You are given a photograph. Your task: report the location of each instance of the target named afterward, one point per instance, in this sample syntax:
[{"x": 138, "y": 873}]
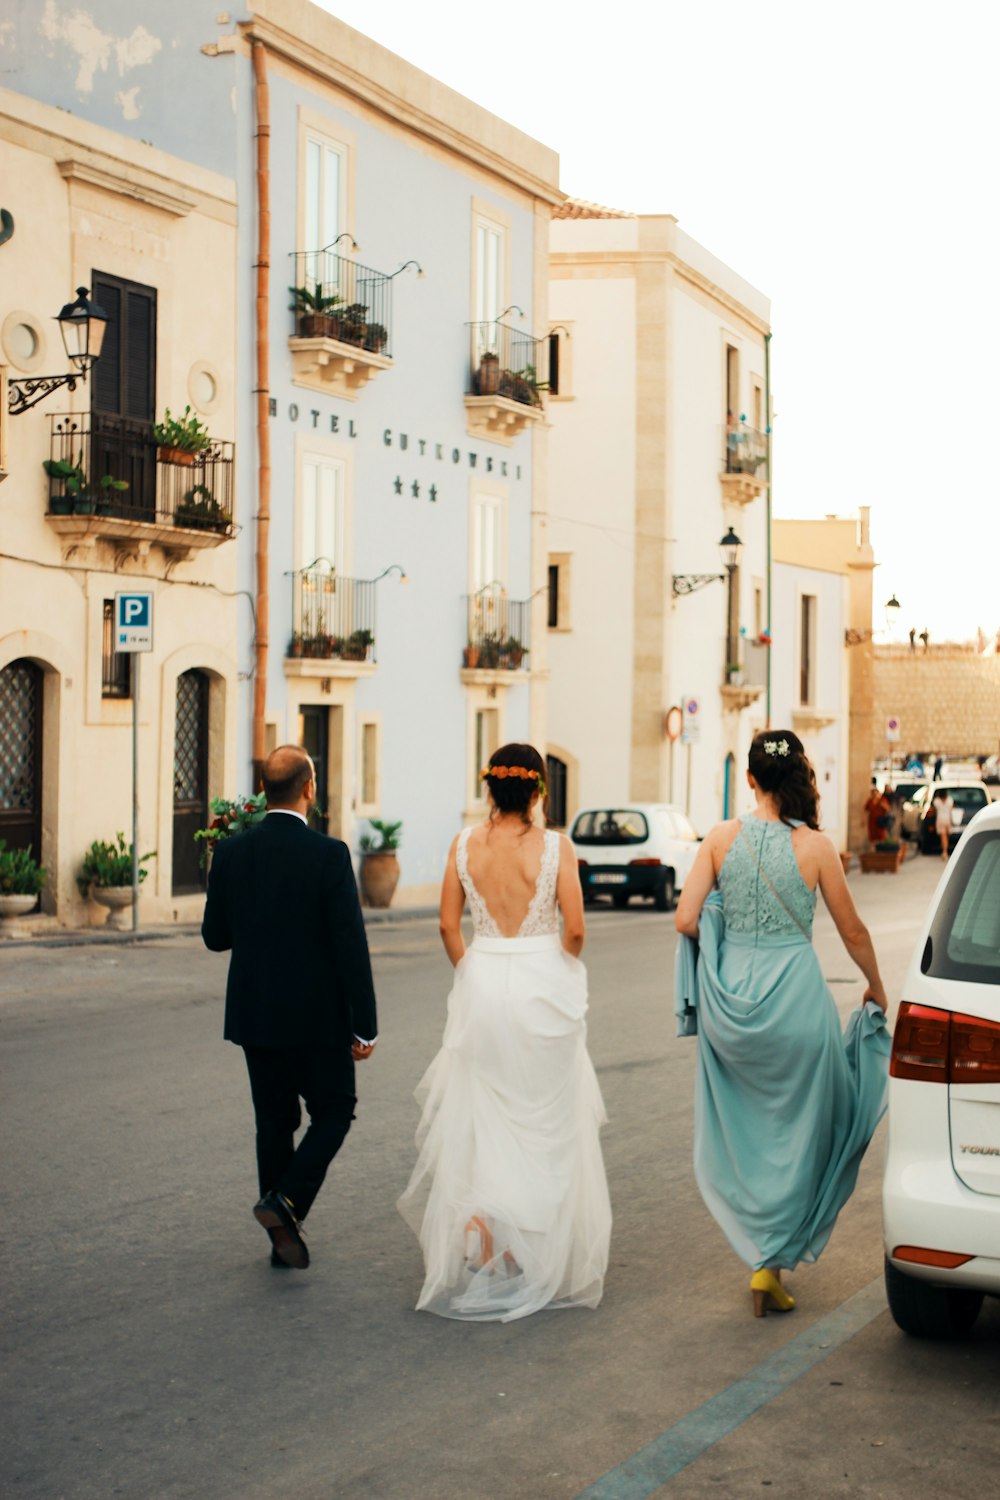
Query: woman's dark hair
[
  {"x": 513, "y": 793},
  {"x": 780, "y": 766}
]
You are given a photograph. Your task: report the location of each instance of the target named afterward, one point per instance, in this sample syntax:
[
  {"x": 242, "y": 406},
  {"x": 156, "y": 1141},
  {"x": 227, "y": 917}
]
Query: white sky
[{"x": 843, "y": 159}]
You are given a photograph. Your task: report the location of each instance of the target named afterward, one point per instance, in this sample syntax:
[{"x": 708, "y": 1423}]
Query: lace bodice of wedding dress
[{"x": 541, "y": 916}]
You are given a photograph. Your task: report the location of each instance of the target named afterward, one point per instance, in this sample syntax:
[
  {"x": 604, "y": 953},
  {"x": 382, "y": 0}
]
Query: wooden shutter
[{"x": 125, "y": 374}]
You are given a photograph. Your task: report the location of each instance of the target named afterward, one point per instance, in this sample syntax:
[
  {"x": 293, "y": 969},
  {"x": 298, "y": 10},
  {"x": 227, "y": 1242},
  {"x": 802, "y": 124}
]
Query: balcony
[
  {"x": 333, "y": 625},
  {"x": 343, "y": 323},
  {"x": 108, "y": 482},
  {"x": 744, "y": 463},
  {"x": 507, "y": 376},
  {"x": 745, "y": 675},
  {"x": 498, "y": 632}
]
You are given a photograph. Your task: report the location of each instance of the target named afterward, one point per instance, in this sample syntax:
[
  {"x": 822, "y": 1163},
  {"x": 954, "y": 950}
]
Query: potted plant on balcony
[
  {"x": 314, "y": 315},
  {"x": 379, "y": 863},
  {"x": 489, "y": 652},
  {"x": 470, "y": 655},
  {"x": 488, "y": 374},
  {"x": 734, "y": 674},
  {"x": 21, "y": 879},
  {"x": 200, "y": 510},
  {"x": 106, "y": 875},
  {"x": 353, "y": 323},
  {"x": 180, "y": 439},
  {"x": 295, "y": 645},
  {"x": 513, "y": 653},
  {"x": 80, "y": 496},
  {"x": 355, "y": 647},
  {"x": 376, "y": 337}
]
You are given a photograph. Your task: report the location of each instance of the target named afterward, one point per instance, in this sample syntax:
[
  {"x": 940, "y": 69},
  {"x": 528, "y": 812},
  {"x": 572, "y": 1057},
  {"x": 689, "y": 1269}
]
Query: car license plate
[{"x": 605, "y": 877}]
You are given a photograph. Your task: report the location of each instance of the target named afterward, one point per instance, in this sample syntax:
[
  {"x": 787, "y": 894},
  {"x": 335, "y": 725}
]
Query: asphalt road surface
[{"x": 152, "y": 1353}]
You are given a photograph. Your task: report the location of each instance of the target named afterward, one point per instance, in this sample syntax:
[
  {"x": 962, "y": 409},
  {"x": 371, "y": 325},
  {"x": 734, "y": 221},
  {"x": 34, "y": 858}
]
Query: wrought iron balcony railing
[
  {"x": 508, "y": 362},
  {"x": 744, "y": 450},
  {"x": 108, "y": 466},
  {"x": 498, "y": 632},
  {"x": 748, "y": 666},
  {"x": 333, "y": 618},
  {"x": 335, "y": 298}
]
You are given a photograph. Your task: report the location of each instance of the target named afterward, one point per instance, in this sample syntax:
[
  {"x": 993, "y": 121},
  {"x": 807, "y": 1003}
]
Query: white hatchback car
[
  {"x": 638, "y": 849},
  {"x": 941, "y": 1192}
]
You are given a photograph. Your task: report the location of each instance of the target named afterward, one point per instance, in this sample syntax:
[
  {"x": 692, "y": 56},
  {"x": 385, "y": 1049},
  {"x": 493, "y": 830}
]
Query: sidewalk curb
[{"x": 80, "y": 937}]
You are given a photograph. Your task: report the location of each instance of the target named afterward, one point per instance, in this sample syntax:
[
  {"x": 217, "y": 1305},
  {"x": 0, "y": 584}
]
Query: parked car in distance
[
  {"x": 941, "y": 1188},
  {"x": 904, "y": 790},
  {"x": 968, "y": 797},
  {"x": 638, "y": 849}
]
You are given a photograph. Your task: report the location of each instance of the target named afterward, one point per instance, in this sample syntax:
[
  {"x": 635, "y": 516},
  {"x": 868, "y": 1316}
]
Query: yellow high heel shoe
[{"x": 767, "y": 1292}]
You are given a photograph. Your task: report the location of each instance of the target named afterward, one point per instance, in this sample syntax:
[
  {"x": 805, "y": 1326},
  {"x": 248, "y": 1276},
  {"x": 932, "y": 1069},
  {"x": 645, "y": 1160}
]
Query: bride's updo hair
[
  {"x": 514, "y": 775},
  {"x": 780, "y": 766}
]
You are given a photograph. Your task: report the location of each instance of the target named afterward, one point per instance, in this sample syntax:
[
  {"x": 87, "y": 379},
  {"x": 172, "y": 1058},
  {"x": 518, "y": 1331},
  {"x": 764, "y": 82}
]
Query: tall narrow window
[
  {"x": 555, "y": 780},
  {"x": 553, "y": 595},
  {"x": 807, "y": 649},
  {"x": 559, "y": 590},
  {"x": 553, "y": 364},
  {"x": 321, "y": 513},
  {"x": 758, "y": 408},
  {"x": 123, "y": 394},
  {"x": 732, "y": 383},
  {"x": 488, "y": 282},
  {"x": 369, "y": 779},
  {"x": 487, "y": 728},
  {"x": 324, "y": 208},
  {"x": 116, "y": 666},
  {"x": 488, "y": 560}
]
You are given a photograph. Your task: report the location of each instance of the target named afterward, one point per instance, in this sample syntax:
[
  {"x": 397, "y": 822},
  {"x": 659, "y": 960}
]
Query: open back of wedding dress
[{"x": 508, "y": 1197}]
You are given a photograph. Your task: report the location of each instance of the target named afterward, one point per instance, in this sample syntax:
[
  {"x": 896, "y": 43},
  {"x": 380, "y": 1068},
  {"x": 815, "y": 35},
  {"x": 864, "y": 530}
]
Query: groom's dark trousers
[{"x": 285, "y": 901}]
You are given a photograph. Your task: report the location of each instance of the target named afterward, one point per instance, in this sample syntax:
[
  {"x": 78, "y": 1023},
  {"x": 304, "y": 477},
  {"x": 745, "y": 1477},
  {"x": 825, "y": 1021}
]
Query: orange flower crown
[{"x": 502, "y": 772}]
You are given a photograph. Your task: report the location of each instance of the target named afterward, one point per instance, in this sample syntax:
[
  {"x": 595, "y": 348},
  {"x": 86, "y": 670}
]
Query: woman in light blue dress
[{"x": 786, "y": 1102}]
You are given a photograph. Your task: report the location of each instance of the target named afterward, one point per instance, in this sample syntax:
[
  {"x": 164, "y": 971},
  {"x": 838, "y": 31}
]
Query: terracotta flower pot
[
  {"x": 881, "y": 861},
  {"x": 176, "y": 456},
  {"x": 379, "y": 878},
  {"x": 488, "y": 380}
]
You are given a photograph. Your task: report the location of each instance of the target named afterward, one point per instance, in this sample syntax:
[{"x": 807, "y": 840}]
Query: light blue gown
[{"x": 785, "y": 1103}]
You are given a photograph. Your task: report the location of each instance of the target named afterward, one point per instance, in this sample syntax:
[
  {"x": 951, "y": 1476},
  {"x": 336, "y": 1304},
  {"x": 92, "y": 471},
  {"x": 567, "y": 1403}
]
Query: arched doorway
[
  {"x": 21, "y": 697},
  {"x": 555, "y": 778},
  {"x": 729, "y": 787},
  {"x": 190, "y": 780}
]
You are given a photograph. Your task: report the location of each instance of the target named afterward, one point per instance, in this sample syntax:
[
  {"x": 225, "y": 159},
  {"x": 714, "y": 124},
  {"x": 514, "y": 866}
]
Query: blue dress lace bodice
[{"x": 749, "y": 904}]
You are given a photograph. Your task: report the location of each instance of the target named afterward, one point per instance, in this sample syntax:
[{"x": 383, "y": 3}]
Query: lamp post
[
  {"x": 730, "y": 548},
  {"x": 82, "y": 324}
]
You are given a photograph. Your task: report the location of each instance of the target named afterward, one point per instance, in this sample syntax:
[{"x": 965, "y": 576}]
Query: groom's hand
[{"x": 360, "y": 1050}]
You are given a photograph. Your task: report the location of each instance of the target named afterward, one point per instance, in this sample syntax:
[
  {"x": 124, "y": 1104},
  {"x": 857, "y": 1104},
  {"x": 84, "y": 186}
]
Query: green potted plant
[
  {"x": 513, "y": 653},
  {"x": 80, "y": 495},
  {"x": 21, "y": 879},
  {"x": 379, "y": 862},
  {"x": 734, "y": 674},
  {"x": 314, "y": 315},
  {"x": 376, "y": 337},
  {"x": 355, "y": 647},
  {"x": 489, "y": 652},
  {"x": 296, "y": 644},
  {"x": 488, "y": 374},
  {"x": 180, "y": 439},
  {"x": 353, "y": 323},
  {"x": 529, "y": 387},
  {"x": 200, "y": 509},
  {"x": 106, "y": 875},
  {"x": 470, "y": 656}
]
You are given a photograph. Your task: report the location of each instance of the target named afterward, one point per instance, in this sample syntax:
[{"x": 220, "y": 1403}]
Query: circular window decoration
[
  {"x": 23, "y": 340},
  {"x": 203, "y": 386}
]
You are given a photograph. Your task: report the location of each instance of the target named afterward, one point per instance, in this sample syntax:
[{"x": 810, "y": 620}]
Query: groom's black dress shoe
[
  {"x": 277, "y": 1262},
  {"x": 275, "y": 1214}
]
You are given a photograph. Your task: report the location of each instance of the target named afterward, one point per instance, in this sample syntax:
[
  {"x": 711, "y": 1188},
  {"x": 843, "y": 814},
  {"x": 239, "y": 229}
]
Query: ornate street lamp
[
  {"x": 729, "y": 548},
  {"x": 82, "y": 324}
]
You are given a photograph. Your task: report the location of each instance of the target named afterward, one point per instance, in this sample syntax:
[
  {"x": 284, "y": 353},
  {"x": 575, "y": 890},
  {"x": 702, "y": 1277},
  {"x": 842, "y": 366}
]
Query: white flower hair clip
[{"x": 775, "y": 747}]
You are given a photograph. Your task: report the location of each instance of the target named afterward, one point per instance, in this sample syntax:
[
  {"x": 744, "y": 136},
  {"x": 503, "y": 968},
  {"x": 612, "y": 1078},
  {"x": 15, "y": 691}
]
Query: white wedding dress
[{"x": 508, "y": 1197}]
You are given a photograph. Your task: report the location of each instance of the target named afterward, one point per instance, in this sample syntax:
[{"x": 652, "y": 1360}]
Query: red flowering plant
[{"x": 230, "y": 818}]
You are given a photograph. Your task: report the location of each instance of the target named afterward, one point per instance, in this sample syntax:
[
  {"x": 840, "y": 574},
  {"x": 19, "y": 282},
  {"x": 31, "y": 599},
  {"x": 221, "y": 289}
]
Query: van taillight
[
  {"x": 920, "y": 1044},
  {"x": 936, "y": 1046},
  {"x": 975, "y": 1050}
]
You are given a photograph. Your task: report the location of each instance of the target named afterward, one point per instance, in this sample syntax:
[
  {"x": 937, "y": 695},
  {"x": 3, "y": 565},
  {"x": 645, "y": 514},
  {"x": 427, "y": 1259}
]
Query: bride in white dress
[{"x": 508, "y": 1197}]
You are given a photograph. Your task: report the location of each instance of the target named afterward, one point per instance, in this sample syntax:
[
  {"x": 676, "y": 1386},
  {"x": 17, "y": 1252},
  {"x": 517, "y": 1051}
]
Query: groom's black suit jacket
[{"x": 285, "y": 900}]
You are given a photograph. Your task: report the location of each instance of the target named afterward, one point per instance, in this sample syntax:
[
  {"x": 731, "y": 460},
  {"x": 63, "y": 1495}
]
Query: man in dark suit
[{"x": 299, "y": 999}]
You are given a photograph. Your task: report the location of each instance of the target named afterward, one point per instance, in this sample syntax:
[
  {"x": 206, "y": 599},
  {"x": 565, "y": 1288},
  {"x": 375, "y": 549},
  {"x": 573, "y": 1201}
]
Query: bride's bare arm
[
  {"x": 569, "y": 895},
  {"x": 452, "y": 905},
  {"x": 853, "y": 932}
]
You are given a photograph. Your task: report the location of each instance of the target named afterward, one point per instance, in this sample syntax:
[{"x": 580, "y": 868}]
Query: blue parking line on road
[{"x": 659, "y": 1461}]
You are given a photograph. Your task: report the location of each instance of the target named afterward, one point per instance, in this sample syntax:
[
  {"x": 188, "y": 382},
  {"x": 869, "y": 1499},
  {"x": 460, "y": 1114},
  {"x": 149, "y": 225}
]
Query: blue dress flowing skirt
[{"x": 785, "y": 1102}]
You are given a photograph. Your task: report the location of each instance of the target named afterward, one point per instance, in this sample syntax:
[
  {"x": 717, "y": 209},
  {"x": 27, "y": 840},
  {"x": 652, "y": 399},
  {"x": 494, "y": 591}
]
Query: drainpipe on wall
[
  {"x": 262, "y": 392},
  {"x": 767, "y": 418}
]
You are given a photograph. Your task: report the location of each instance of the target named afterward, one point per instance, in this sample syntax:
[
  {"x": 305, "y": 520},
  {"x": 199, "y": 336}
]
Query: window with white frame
[
  {"x": 369, "y": 765},
  {"x": 489, "y": 279},
  {"x": 486, "y": 741},
  {"x": 321, "y": 513},
  {"x": 807, "y": 649},
  {"x": 489, "y": 560},
  {"x": 325, "y": 184}
]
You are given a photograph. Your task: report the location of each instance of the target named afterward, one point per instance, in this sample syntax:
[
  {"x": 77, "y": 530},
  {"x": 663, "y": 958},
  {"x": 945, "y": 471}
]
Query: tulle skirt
[{"x": 508, "y": 1197}]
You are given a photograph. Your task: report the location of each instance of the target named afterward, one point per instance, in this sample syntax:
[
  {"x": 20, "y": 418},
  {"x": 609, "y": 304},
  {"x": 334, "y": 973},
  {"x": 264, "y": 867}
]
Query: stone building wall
[{"x": 947, "y": 699}]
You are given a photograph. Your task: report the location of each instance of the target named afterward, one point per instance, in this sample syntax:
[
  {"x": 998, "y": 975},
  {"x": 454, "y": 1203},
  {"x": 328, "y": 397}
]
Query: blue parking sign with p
[{"x": 134, "y": 621}]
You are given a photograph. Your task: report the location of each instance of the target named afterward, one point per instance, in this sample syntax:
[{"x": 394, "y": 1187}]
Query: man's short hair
[{"x": 284, "y": 775}]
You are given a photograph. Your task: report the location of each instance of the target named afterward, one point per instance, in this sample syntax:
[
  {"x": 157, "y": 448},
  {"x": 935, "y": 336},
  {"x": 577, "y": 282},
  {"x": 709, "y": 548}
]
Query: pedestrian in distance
[
  {"x": 877, "y": 810},
  {"x": 299, "y": 997},
  {"x": 508, "y": 1197},
  {"x": 786, "y": 1102},
  {"x": 942, "y": 810}
]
